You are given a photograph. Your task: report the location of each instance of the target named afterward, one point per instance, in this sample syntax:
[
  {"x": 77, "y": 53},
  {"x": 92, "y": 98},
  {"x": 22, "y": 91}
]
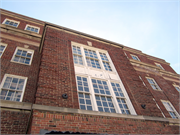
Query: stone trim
[
  {"x": 20, "y": 40},
  {"x": 155, "y": 68},
  {"x": 21, "y": 17},
  {"x": 15, "y": 105},
  {"x": 3, "y": 26},
  {"x": 27, "y": 106},
  {"x": 146, "y": 55}
]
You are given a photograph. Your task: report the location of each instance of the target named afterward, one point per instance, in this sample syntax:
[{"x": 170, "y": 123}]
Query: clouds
[{"x": 150, "y": 26}]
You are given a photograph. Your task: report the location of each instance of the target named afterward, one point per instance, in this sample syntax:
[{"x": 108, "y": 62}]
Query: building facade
[{"x": 58, "y": 79}]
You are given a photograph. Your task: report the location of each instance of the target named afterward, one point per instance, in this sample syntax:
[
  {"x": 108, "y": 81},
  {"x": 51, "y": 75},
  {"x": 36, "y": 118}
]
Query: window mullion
[{"x": 91, "y": 89}]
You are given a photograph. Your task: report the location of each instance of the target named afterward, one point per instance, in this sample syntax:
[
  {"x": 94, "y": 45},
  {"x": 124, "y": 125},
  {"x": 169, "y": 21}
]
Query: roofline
[{"x": 83, "y": 34}]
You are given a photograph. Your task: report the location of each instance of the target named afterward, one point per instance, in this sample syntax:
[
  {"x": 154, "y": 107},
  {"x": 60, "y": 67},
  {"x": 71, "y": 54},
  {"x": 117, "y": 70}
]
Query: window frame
[
  {"x": 177, "y": 86},
  {"x": 4, "y": 48},
  {"x": 159, "y": 65},
  {"x": 84, "y": 92},
  {"x": 98, "y": 51},
  {"x": 159, "y": 89},
  {"x": 132, "y": 55},
  {"x": 23, "y": 49},
  {"x": 87, "y": 73},
  {"x": 33, "y": 27},
  {"x": 14, "y": 76},
  {"x": 174, "y": 110},
  {"x": 18, "y": 22}
]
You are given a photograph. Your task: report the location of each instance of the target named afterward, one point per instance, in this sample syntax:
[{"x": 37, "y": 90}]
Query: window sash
[
  {"x": 105, "y": 104},
  {"x": 123, "y": 106},
  {"x": 2, "y": 49},
  {"x": 170, "y": 109},
  {"x": 177, "y": 88},
  {"x": 85, "y": 101},
  {"x": 23, "y": 56},
  {"x": 12, "y": 23},
  {"x": 12, "y": 87},
  {"x": 153, "y": 84}
]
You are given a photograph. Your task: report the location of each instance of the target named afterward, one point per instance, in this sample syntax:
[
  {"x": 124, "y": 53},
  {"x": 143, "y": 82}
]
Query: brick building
[{"x": 58, "y": 79}]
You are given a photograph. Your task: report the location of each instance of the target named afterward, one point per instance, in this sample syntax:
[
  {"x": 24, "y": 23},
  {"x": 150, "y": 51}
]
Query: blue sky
[{"x": 151, "y": 26}]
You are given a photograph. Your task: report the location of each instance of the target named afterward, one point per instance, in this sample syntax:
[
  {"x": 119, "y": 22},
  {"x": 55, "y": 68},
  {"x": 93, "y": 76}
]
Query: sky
[{"x": 151, "y": 26}]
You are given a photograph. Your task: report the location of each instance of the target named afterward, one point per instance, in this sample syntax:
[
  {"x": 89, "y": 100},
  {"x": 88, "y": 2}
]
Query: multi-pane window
[
  {"x": 84, "y": 98},
  {"x": 92, "y": 59},
  {"x": 105, "y": 104},
  {"x": 32, "y": 28},
  {"x": 12, "y": 88},
  {"x": 153, "y": 84},
  {"x": 123, "y": 106},
  {"x": 159, "y": 65},
  {"x": 135, "y": 57},
  {"x": 85, "y": 101},
  {"x": 2, "y": 48},
  {"x": 120, "y": 98},
  {"x": 11, "y": 22},
  {"x": 105, "y": 62},
  {"x": 82, "y": 84},
  {"x": 177, "y": 88},
  {"x": 77, "y": 55},
  {"x": 170, "y": 109},
  {"x": 95, "y": 90},
  {"x": 117, "y": 90},
  {"x": 100, "y": 87},
  {"x": 22, "y": 56}
]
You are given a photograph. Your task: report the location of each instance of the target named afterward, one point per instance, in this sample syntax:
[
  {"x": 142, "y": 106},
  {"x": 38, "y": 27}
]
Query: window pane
[
  {"x": 89, "y": 107},
  {"x": 3, "y": 94},
  {"x": 20, "y": 84},
  {"x": 7, "y": 82},
  {"x": 14, "y": 83},
  {"x": 10, "y": 95},
  {"x": 83, "y": 107}
]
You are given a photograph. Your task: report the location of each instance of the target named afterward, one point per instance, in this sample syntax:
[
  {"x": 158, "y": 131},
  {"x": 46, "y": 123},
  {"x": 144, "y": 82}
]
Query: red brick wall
[
  {"x": 97, "y": 124},
  {"x": 14, "y": 122},
  {"x": 148, "y": 61},
  {"x": 30, "y": 71},
  {"x": 168, "y": 91},
  {"x": 22, "y": 23},
  {"x": 57, "y": 75}
]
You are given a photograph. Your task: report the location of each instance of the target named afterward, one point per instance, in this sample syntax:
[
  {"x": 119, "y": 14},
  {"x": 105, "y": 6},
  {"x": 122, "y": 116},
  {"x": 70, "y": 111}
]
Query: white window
[
  {"x": 2, "y": 48},
  {"x": 105, "y": 61},
  {"x": 77, "y": 55},
  {"x": 159, "y": 65},
  {"x": 12, "y": 87},
  {"x": 83, "y": 93},
  {"x": 23, "y": 56},
  {"x": 177, "y": 88},
  {"x": 98, "y": 84},
  {"x": 135, "y": 57},
  {"x": 92, "y": 58},
  {"x": 173, "y": 113},
  {"x": 32, "y": 28},
  {"x": 153, "y": 84},
  {"x": 11, "y": 22}
]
